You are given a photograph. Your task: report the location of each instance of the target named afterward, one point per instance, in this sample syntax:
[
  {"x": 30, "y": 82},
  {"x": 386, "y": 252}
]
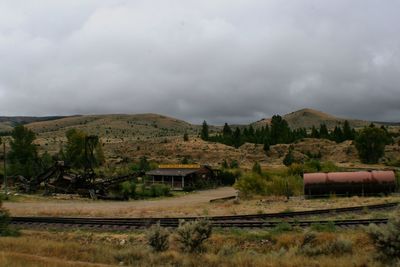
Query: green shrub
[
  {"x": 386, "y": 239},
  {"x": 312, "y": 165},
  {"x": 282, "y": 227},
  {"x": 128, "y": 189},
  {"x": 226, "y": 177},
  {"x": 295, "y": 169},
  {"x": 158, "y": 238},
  {"x": 191, "y": 235},
  {"x": 329, "y": 166},
  {"x": 256, "y": 168},
  {"x": 234, "y": 164},
  {"x": 311, "y": 247},
  {"x": 285, "y": 185},
  {"x": 255, "y": 184},
  {"x": 288, "y": 159},
  {"x": 251, "y": 183},
  {"x": 188, "y": 188},
  {"x": 159, "y": 190},
  {"x": 326, "y": 227}
]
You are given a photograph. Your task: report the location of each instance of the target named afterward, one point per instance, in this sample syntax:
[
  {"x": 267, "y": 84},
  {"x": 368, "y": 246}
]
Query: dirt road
[{"x": 195, "y": 203}]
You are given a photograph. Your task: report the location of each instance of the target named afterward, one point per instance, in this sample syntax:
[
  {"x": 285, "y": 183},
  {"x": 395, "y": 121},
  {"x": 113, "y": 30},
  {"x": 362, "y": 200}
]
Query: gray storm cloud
[{"x": 234, "y": 61}]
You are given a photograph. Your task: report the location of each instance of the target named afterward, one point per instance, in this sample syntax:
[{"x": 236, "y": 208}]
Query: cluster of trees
[
  {"x": 278, "y": 132},
  {"x": 370, "y": 141},
  {"x": 338, "y": 135},
  {"x": 80, "y": 151}
]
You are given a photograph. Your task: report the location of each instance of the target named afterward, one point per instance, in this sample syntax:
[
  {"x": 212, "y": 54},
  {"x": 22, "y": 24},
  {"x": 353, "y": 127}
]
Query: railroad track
[
  {"x": 241, "y": 221},
  {"x": 134, "y": 224}
]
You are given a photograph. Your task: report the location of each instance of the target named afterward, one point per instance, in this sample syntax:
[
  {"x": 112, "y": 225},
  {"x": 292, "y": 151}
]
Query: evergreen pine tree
[
  {"x": 323, "y": 131},
  {"x": 204, "y": 131}
]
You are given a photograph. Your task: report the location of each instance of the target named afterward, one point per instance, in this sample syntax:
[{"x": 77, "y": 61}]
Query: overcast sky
[{"x": 218, "y": 60}]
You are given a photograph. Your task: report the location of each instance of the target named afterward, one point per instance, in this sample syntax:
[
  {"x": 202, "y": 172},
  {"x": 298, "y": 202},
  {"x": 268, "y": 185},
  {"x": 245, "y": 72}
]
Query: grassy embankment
[{"x": 278, "y": 247}]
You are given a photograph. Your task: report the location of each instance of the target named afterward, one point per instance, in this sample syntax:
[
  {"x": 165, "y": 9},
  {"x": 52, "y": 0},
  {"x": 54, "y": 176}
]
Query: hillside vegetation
[
  {"x": 307, "y": 118},
  {"x": 126, "y": 138}
]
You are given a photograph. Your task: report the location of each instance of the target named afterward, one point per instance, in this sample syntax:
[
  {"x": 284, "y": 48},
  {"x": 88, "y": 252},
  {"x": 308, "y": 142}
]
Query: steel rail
[
  {"x": 175, "y": 220},
  {"x": 97, "y": 223}
]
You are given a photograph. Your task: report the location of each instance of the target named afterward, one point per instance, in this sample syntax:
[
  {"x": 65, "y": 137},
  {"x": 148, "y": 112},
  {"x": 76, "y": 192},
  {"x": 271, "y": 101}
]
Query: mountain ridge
[{"x": 303, "y": 118}]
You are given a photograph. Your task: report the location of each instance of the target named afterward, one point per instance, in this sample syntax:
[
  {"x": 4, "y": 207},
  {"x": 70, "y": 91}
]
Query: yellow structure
[{"x": 179, "y": 166}]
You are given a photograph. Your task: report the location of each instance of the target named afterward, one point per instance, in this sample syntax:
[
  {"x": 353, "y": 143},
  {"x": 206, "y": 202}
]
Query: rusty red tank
[{"x": 349, "y": 183}]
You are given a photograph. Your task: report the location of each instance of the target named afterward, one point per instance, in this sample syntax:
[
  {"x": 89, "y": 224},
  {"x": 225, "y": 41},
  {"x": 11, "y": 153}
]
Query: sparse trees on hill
[{"x": 278, "y": 132}]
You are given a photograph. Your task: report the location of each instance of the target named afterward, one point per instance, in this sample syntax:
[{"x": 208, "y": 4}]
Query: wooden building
[{"x": 178, "y": 176}]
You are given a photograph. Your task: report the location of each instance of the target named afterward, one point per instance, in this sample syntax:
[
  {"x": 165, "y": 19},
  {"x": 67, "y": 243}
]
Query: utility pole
[{"x": 5, "y": 168}]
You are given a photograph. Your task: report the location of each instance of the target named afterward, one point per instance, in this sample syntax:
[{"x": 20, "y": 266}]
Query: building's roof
[
  {"x": 349, "y": 177},
  {"x": 172, "y": 172}
]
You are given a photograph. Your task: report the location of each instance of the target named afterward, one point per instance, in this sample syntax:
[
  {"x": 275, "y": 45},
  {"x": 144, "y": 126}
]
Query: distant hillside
[
  {"x": 7, "y": 123},
  {"x": 126, "y": 138},
  {"x": 309, "y": 117},
  {"x": 116, "y": 126}
]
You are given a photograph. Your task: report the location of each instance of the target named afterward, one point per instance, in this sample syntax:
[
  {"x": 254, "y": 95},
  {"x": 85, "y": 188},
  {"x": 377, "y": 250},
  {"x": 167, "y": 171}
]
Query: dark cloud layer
[{"x": 225, "y": 60}]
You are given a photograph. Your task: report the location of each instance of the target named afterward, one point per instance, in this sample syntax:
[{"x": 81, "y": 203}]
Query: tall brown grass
[{"x": 224, "y": 248}]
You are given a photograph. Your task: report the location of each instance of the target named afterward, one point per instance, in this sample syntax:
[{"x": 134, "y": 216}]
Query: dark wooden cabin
[{"x": 179, "y": 176}]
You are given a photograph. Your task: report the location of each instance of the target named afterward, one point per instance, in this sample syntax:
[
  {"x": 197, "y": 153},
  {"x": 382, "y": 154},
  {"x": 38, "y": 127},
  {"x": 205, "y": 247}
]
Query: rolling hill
[
  {"x": 306, "y": 118},
  {"x": 7, "y": 123},
  {"x": 126, "y": 138}
]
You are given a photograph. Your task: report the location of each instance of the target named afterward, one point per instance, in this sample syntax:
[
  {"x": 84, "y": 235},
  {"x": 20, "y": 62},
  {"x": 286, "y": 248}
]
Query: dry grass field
[
  {"x": 192, "y": 204},
  {"x": 225, "y": 248}
]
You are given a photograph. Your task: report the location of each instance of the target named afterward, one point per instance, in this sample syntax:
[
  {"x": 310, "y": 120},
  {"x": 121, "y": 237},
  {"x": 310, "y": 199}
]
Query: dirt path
[{"x": 190, "y": 204}]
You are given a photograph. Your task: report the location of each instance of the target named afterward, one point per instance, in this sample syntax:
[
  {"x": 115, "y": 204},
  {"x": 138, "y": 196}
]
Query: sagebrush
[
  {"x": 192, "y": 234},
  {"x": 386, "y": 239},
  {"x": 158, "y": 238}
]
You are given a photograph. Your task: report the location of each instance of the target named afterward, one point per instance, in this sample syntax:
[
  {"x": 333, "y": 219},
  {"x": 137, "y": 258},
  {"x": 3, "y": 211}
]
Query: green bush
[
  {"x": 285, "y": 185},
  {"x": 158, "y": 238},
  {"x": 327, "y": 227},
  {"x": 160, "y": 190},
  {"x": 226, "y": 178},
  {"x": 296, "y": 169},
  {"x": 282, "y": 227},
  {"x": 311, "y": 166},
  {"x": 288, "y": 159},
  {"x": 128, "y": 189},
  {"x": 234, "y": 164},
  {"x": 155, "y": 190},
  {"x": 311, "y": 247},
  {"x": 188, "y": 188},
  {"x": 257, "y": 168},
  {"x": 192, "y": 234},
  {"x": 255, "y": 184},
  {"x": 386, "y": 239},
  {"x": 251, "y": 183}
]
